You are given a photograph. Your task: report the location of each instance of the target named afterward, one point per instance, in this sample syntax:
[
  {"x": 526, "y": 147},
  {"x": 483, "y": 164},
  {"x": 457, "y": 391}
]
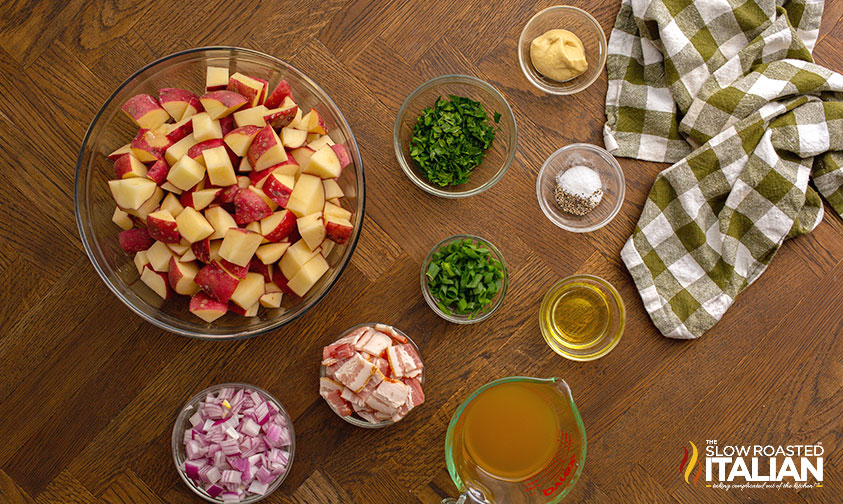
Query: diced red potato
[
  {"x": 281, "y": 91},
  {"x": 359, "y": 378},
  {"x": 135, "y": 240},
  {"x": 167, "y": 157}
]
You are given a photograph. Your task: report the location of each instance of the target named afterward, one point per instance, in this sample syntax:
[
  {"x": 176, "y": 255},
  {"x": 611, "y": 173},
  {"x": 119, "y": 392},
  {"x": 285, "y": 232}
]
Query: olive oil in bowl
[{"x": 582, "y": 317}]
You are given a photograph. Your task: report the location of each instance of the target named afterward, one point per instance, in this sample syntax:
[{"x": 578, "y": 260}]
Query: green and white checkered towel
[{"x": 728, "y": 91}]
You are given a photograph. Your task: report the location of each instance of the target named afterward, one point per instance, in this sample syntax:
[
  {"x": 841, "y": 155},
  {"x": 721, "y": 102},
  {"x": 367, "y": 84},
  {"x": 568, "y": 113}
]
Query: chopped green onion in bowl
[{"x": 464, "y": 277}]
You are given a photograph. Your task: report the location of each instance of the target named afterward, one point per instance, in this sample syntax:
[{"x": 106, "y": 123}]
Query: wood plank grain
[
  {"x": 129, "y": 489},
  {"x": 412, "y": 35},
  {"x": 638, "y": 486},
  {"x": 376, "y": 251},
  {"x": 11, "y": 493},
  {"x": 65, "y": 489},
  {"x": 28, "y": 27},
  {"x": 100, "y": 25},
  {"x": 351, "y": 30},
  {"x": 319, "y": 488}
]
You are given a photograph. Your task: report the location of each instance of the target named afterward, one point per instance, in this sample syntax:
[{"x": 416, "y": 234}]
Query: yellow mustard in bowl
[{"x": 558, "y": 55}]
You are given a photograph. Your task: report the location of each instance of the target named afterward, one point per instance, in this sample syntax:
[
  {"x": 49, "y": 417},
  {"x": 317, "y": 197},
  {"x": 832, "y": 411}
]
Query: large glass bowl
[
  {"x": 497, "y": 158},
  {"x": 111, "y": 129},
  {"x": 183, "y": 423}
]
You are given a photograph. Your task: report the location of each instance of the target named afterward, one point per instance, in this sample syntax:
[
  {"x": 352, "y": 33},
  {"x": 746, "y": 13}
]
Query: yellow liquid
[
  {"x": 510, "y": 431},
  {"x": 577, "y": 317}
]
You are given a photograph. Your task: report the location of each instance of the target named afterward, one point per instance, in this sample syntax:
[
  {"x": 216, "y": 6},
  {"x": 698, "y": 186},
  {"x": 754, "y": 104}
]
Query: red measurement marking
[
  {"x": 556, "y": 484},
  {"x": 549, "y": 479}
]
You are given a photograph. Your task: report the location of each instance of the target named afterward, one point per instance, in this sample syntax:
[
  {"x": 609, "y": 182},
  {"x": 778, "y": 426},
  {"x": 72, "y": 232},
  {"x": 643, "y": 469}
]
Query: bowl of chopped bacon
[{"x": 372, "y": 376}]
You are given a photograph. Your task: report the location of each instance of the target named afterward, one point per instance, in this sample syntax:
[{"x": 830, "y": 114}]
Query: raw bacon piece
[
  {"x": 353, "y": 336},
  {"x": 391, "y": 332},
  {"x": 394, "y": 393},
  {"x": 377, "y": 343},
  {"x": 370, "y": 387},
  {"x": 338, "y": 351},
  {"x": 394, "y": 362},
  {"x": 363, "y": 339},
  {"x": 416, "y": 392},
  {"x": 355, "y": 373},
  {"x": 353, "y": 398},
  {"x": 327, "y": 385},
  {"x": 383, "y": 366},
  {"x": 331, "y": 370},
  {"x": 367, "y": 415},
  {"x": 338, "y": 404},
  {"x": 378, "y": 405}
]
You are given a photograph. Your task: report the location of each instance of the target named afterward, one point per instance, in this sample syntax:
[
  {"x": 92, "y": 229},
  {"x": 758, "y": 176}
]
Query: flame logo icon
[{"x": 686, "y": 467}]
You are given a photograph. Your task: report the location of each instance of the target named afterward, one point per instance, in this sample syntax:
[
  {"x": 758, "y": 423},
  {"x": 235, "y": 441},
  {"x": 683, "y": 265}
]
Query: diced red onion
[
  {"x": 230, "y": 447},
  {"x": 192, "y": 467},
  {"x": 230, "y": 497},
  {"x": 262, "y": 413},
  {"x": 213, "y": 490},
  {"x": 264, "y": 476},
  {"x": 250, "y": 428},
  {"x": 258, "y": 487},
  {"x": 230, "y": 476},
  {"x": 194, "y": 450},
  {"x": 233, "y": 447}
]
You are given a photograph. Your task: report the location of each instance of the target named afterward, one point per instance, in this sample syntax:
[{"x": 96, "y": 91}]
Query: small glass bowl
[
  {"x": 498, "y": 157},
  {"x": 581, "y": 24},
  {"x": 183, "y": 423},
  {"x": 611, "y": 333},
  {"x": 453, "y": 317},
  {"x": 353, "y": 419},
  {"x": 611, "y": 178}
]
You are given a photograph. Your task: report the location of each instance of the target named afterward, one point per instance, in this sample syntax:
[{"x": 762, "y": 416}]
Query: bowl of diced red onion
[
  {"x": 233, "y": 442},
  {"x": 372, "y": 375}
]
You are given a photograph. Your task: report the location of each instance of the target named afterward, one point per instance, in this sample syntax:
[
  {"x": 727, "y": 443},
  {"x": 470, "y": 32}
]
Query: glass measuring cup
[{"x": 557, "y": 464}]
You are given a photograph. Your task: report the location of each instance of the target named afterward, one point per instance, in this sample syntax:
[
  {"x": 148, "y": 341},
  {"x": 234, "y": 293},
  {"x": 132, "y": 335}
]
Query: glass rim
[
  {"x": 176, "y": 443},
  {"x": 618, "y": 302},
  {"x": 404, "y": 162},
  {"x": 359, "y": 422},
  {"x": 234, "y": 334},
  {"x": 556, "y": 90},
  {"x": 616, "y": 170},
  {"x": 463, "y": 319}
]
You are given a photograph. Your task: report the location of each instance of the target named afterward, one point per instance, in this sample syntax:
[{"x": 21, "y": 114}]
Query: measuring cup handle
[{"x": 465, "y": 498}]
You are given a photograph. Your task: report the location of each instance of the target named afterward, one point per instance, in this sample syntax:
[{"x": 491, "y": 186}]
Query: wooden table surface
[{"x": 90, "y": 391}]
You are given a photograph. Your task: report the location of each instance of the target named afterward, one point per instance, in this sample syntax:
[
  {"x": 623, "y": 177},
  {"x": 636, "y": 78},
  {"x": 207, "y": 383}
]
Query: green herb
[
  {"x": 464, "y": 277},
  {"x": 450, "y": 139}
]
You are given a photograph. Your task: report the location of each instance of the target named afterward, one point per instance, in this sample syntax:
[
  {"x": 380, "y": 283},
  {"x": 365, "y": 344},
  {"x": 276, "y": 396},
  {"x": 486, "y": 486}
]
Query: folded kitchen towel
[{"x": 728, "y": 91}]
